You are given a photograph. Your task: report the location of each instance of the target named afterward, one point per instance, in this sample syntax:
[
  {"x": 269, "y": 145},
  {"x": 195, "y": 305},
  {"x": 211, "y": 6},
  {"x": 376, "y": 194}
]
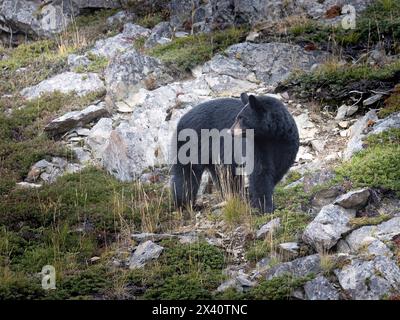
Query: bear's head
[{"x": 259, "y": 114}]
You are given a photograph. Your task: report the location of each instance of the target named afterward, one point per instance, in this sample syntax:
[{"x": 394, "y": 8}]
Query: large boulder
[
  {"x": 355, "y": 199},
  {"x": 274, "y": 62},
  {"x": 160, "y": 34},
  {"x": 75, "y": 119},
  {"x": 370, "y": 278},
  {"x": 320, "y": 289},
  {"x": 67, "y": 82},
  {"x": 300, "y": 267},
  {"x": 328, "y": 227},
  {"x": 35, "y": 18},
  {"x": 130, "y": 71},
  {"x": 110, "y": 47},
  {"x": 219, "y": 14},
  {"x": 359, "y": 238}
]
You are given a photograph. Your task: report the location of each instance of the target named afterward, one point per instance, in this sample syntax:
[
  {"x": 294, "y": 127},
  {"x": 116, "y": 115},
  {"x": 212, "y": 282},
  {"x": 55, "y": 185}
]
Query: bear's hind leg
[
  {"x": 185, "y": 184},
  {"x": 261, "y": 191}
]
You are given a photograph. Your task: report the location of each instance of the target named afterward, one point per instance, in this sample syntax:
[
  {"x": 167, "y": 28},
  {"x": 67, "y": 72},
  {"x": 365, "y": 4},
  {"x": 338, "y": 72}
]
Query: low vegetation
[
  {"x": 191, "y": 271},
  {"x": 279, "y": 288},
  {"x": 21, "y": 132},
  {"x": 182, "y": 54},
  {"x": 377, "y": 166},
  {"x": 392, "y": 103},
  {"x": 69, "y": 222}
]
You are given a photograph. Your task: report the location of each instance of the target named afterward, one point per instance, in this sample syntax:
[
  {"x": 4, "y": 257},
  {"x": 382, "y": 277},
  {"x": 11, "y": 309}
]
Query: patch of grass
[
  {"x": 292, "y": 199},
  {"x": 21, "y": 132},
  {"x": 151, "y": 20},
  {"x": 369, "y": 221},
  {"x": 333, "y": 82},
  {"x": 235, "y": 211},
  {"x": 86, "y": 29},
  {"x": 97, "y": 64},
  {"x": 76, "y": 218},
  {"x": 181, "y": 287},
  {"x": 392, "y": 104},
  {"x": 376, "y": 167},
  {"x": 279, "y": 288},
  {"x": 388, "y": 137},
  {"x": 185, "y": 53},
  {"x": 17, "y": 286},
  {"x": 25, "y": 53},
  {"x": 189, "y": 271},
  {"x": 143, "y": 9},
  {"x": 292, "y": 226}
]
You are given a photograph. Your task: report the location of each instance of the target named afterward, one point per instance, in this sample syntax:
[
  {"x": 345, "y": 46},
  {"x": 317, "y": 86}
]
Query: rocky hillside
[{"x": 90, "y": 93}]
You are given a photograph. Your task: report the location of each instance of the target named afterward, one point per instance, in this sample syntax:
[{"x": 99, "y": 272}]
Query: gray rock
[
  {"x": 328, "y": 226},
  {"x": 372, "y": 100},
  {"x": 48, "y": 172},
  {"x": 110, "y": 47},
  {"x": 75, "y": 61},
  {"x": 354, "y": 199},
  {"x": 289, "y": 249},
  {"x": 142, "y": 237},
  {"x": 318, "y": 145},
  {"x": 268, "y": 228},
  {"x": 300, "y": 267},
  {"x": 240, "y": 281},
  {"x": 274, "y": 62},
  {"x": 66, "y": 82},
  {"x": 120, "y": 17},
  {"x": 345, "y": 111},
  {"x": 221, "y": 65},
  {"x": 35, "y": 18},
  {"x": 292, "y": 247},
  {"x": 144, "y": 253},
  {"x": 370, "y": 279},
  {"x": 160, "y": 34},
  {"x": 383, "y": 232},
  {"x": 206, "y": 15},
  {"x": 82, "y": 155},
  {"x": 324, "y": 197},
  {"x": 74, "y": 119},
  {"x": 320, "y": 289},
  {"x": 390, "y": 122},
  {"x": 98, "y": 137},
  {"x": 226, "y": 86},
  {"x": 131, "y": 71},
  {"x": 306, "y": 127},
  {"x": 357, "y": 133}
]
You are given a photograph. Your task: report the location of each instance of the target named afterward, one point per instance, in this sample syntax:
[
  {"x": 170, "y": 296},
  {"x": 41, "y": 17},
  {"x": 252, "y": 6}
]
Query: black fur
[{"x": 275, "y": 148}]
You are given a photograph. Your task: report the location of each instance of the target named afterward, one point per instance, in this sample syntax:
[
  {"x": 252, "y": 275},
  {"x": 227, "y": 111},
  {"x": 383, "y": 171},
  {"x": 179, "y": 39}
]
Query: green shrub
[
  {"x": 377, "y": 167},
  {"x": 392, "y": 104},
  {"x": 188, "y": 52},
  {"x": 279, "y": 288}
]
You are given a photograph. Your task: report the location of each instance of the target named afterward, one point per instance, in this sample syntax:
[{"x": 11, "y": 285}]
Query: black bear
[{"x": 276, "y": 143}]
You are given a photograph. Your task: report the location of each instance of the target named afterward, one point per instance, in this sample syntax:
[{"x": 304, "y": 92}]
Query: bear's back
[{"x": 214, "y": 114}]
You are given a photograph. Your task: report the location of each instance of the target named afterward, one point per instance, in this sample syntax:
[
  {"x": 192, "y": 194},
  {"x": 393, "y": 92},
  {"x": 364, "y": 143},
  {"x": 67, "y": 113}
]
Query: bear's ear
[
  {"x": 245, "y": 98},
  {"x": 254, "y": 104}
]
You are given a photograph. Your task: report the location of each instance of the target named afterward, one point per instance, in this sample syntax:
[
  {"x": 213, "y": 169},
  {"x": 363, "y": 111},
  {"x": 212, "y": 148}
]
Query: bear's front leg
[{"x": 261, "y": 189}]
